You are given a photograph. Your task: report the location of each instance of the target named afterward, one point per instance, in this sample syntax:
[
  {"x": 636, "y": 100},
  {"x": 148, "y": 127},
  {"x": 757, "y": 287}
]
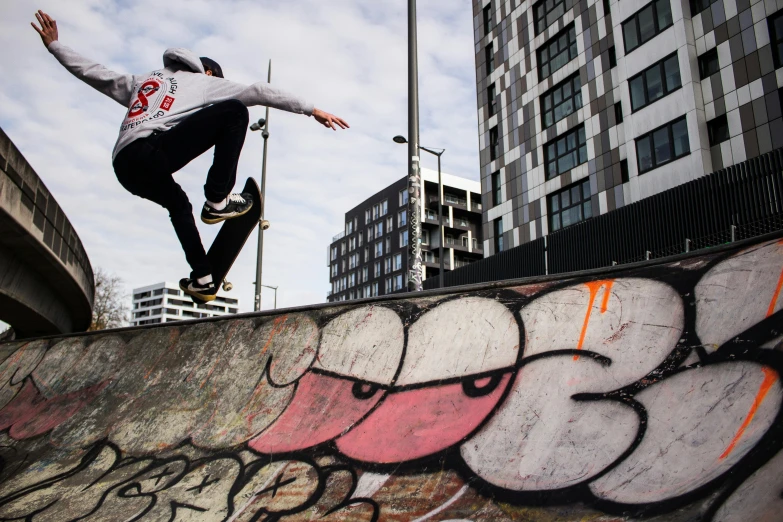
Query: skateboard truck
[
  {"x": 265, "y": 224},
  {"x": 227, "y": 287}
]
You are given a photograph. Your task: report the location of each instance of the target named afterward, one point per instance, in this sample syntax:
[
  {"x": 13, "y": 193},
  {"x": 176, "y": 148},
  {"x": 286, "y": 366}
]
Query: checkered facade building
[{"x": 705, "y": 77}]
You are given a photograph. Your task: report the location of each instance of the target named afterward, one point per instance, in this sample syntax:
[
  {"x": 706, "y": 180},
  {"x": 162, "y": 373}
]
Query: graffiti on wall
[{"x": 648, "y": 391}]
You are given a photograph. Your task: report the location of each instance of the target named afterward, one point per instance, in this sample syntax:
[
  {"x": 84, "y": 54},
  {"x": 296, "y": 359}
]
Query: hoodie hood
[{"x": 179, "y": 55}]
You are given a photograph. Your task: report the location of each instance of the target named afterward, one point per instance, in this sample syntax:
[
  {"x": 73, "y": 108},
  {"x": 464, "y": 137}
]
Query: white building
[{"x": 165, "y": 302}]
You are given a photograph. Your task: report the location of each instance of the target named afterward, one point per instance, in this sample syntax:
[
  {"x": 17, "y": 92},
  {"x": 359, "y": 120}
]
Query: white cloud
[{"x": 346, "y": 56}]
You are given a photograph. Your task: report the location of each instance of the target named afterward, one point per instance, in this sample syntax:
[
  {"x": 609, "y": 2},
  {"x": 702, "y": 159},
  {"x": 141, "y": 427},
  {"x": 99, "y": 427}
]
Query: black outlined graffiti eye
[
  {"x": 364, "y": 390},
  {"x": 480, "y": 386}
]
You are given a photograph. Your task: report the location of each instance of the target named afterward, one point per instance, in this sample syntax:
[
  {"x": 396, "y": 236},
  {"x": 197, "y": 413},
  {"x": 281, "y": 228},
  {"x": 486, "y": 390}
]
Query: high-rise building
[
  {"x": 165, "y": 302},
  {"x": 585, "y": 107},
  {"x": 370, "y": 256}
]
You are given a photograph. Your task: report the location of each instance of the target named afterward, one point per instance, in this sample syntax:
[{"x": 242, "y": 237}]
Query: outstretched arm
[{"x": 116, "y": 86}]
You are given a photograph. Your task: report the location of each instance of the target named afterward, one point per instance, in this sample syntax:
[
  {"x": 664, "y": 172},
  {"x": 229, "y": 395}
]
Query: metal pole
[
  {"x": 260, "y": 254},
  {"x": 440, "y": 223},
  {"x": 415, "y": 267}
]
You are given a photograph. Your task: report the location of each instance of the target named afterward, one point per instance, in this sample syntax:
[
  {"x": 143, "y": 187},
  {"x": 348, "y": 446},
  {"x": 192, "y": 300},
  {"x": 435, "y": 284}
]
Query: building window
[
  {"x": 397, "y": 282},
  {"x": 425, "y": 237},
  {"x": 352, "y": 280},
  {"x": 334, "y": 270},
  {"x": 560, "y": 101},
  {"x": 388, "y": 245},
  {"x": 569, "y": 206},
  {"x": 353, "y": 261},
  {"x": 489, "y": 55},
  {"x": 379, "y": 229},
  {"x": 646, "y": 24},
  {"x": 718, "y": 130},
  {"x": 496, "y": 191},
  {"x": 389, "y": 224},
  {"x": 342, "y": 248},
  {"x": 612, "y": 57},
  {"x": 366, "y": 254},
  {"x": 375, "y": 211},
  {"x": 402, "y": 218},
  {"x": 498, "y": 226},
  {"x": 388, "y": 285},
  {"x": 492, "y": 100},
  {"x": 546, "y": 12},
  {"x": 367, "y": 216},
  {"x": 494, "y": 142},
  {"x": 556, "y": 52},
  {"x": 333, "y": 255},
  {"x": 403, "y": 238},
  {"x": 618, "y": 113},
  {"x": 375, "y": 288},
  {"x": 662, "y": 145},
  {"x": 377, "y": 271},
  {"x": 397, "y": 261},
  {"x": 365, "y": 273},
  {"x": 775, "y": 24},
  {"x": 403, "y": 197},
  {"x": 708, "y": 63},
  {"x": 349, "y": 227},
  {"x": 384, "y": 207},
  {"x": 351, "y": 244},
  {"x": 488, "y": 18},
  {"x": 378, "y": 248},
  {"x": 387, "y": 265},
  {"x": 566, "y": 152},
  {"x": 655, "y": 82},
  {"x": 697, "y": 6}
]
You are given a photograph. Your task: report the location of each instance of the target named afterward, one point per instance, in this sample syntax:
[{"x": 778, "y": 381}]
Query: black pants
[{"x": 145, "y": 168}]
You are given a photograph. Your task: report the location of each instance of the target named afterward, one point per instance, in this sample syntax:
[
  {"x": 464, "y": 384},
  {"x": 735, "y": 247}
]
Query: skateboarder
[{"x": 175, "y": 114}]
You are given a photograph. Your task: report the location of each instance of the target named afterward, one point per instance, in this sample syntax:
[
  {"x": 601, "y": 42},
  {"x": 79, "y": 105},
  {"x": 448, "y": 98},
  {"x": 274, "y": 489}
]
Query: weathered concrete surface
[
  {"x": 651, "y": 392},
  {"x": 46, "y": 281}
]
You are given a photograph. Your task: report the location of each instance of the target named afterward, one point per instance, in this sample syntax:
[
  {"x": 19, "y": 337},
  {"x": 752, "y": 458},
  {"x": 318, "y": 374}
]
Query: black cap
[{"x": 212, "y": 65}]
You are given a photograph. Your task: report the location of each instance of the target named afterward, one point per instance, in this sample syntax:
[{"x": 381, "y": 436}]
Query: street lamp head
[
  {"x": 254, "y": 127},
  {"x": 265, "y": 134},
  {"x": 400, "y": 139},
  {"x": 258, "y": 125}
]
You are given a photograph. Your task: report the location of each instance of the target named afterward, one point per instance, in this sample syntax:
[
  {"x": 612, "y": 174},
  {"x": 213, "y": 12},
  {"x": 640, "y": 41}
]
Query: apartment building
[
  {"x": 585, "y": 107},
  {"x": 370, "y": 256},
  {"x": 165, "y": 302}
]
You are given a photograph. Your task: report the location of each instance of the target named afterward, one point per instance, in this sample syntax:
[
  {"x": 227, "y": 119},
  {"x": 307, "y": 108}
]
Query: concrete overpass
[
  {"x": 648, "y": 391},
  {"x": 46, "y": 281}
]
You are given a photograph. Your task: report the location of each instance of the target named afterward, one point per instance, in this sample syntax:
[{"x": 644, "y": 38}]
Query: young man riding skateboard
[{"x": 175, "y": 114}]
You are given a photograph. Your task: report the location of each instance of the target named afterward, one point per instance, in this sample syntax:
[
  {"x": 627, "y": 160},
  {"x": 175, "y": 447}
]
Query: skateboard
[{"x": 232, "y": 237}]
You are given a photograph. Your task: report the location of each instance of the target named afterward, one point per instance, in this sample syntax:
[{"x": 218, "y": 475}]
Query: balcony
[{"x": 338, "y": 236}]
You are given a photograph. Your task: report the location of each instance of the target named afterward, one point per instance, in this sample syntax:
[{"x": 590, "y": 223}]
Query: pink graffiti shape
[
  {"x": 416, "y": 423},
  {"x": 322, "y": 408},
  {"x": 30, "y": 414}
]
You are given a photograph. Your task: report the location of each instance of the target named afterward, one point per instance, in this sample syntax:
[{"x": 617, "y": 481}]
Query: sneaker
[
  {"x": 192, "y": 287},
  {"x": 237, "y": 205}
]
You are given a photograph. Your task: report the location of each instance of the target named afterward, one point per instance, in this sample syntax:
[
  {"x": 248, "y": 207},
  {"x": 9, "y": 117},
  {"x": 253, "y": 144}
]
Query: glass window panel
[
  {"x": 663, "y": 151},
  {"x": 565, "y": 199},
  {"x": 588, "y": 209},
  {"x": 582, "y": 154},
  {"x": 567, "y": 107},
  {"x": 575, "y": 194},
  {"x": 556, "y": 222},
  {"x": 644, "y": 154},
  {"x": 559, "y": 112},
  {"x": 545, "y": 71},
  {"x": 778, "y": 28},
  {"x": 550, "y": 151},
  {"x": 573, "y": 50},
  {"x": 646, "y": 24},
  {"x": 547, "y": 103},
  {"x": 557, "y": 96},
  {"x": 581, "y": 134},
  {"x": 680, "y": 137},
  {"x": 544, "y": 54},
  {"x": 578, "y": 100},
  {"x": 572, "y": 33},
  {"x": 586, "y": 190},
  {"x": 551, "y": 170},
  {"x": 654, "y": 83},
  {"x": 577, "y": 83},
  {"x": 562, "y": 42},
  {"x": 571, "y": 139},
  {"x": 637, "y": 92},
  {"x": 566, "y": 216},
  {"x": 567, "y": 89},
  {"x": 664, "y": 11},
  {"x": 672, "y": 71},
  {"x": 561, "y": 146},
  {"x": 630, "y": 35},
  {"x": 554, "y": 202},
  {"x": 548, "y": 119},
  {"x": 564, "y": 163}
]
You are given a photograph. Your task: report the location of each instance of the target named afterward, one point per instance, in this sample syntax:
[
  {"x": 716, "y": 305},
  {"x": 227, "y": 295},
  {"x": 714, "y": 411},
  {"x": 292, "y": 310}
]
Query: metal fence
[{"x": 741, "y": 201}]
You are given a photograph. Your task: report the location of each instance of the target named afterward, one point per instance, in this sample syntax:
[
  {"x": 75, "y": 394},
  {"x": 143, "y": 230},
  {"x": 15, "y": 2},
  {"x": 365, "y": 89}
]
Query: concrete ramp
[{"x": 643, "y": 392}]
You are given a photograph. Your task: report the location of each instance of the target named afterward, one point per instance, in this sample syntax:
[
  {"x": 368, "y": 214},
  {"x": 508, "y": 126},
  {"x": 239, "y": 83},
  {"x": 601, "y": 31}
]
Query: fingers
[{"x": 36, "y": 29}]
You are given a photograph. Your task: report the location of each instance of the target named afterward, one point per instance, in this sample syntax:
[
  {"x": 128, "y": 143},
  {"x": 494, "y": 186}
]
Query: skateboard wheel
[
  {"x": 265, "y": 224},
  {"x": 227, "y": 286}
]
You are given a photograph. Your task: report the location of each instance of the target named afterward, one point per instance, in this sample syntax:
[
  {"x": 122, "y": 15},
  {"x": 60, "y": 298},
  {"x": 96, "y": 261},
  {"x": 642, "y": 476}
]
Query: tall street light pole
[
  {"x": 401, "y": 139},
  {"x": 262, "y": 125},
  {"x": 415, "y": 267}
]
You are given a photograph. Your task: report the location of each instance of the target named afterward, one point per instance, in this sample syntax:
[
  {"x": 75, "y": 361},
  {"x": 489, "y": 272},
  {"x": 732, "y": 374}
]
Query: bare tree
[{"x": 109, "y": 309}]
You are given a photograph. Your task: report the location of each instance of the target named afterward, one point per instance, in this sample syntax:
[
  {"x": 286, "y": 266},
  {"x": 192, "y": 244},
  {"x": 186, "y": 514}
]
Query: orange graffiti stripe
[
  {"x": 594, "y": 286},
  {"x": 775, "y": 296},
  {"x": 770, "y": 376}
]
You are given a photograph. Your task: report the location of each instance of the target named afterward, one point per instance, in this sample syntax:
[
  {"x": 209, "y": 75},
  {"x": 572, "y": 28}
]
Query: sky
[{"x": 348, "y": 57}]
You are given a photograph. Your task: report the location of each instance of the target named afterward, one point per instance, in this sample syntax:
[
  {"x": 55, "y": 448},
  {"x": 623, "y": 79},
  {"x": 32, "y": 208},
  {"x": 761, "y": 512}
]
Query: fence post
[
  {"x": 546, "y": 257},
  {"x": 647, "y": 255},
  {"x": 687, "y": 245},
  {"x": 733, "y": 233}
]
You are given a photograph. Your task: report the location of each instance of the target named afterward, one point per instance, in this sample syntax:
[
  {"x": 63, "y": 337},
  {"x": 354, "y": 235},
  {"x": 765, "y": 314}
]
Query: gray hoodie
[{"x": 160, "y": 99}]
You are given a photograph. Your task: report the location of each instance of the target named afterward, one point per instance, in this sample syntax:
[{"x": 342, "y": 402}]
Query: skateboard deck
[{"x": 232, "y": 237}]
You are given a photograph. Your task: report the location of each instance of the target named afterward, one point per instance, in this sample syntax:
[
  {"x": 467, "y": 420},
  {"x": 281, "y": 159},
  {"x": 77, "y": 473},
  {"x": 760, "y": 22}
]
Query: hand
[
  {"x": 329, "y": 120},
  {"x": 48, "y": 30}
]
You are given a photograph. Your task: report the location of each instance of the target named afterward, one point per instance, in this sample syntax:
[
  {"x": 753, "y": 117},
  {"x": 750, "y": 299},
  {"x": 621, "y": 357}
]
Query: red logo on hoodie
[{"x": 168, "y": 101}]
